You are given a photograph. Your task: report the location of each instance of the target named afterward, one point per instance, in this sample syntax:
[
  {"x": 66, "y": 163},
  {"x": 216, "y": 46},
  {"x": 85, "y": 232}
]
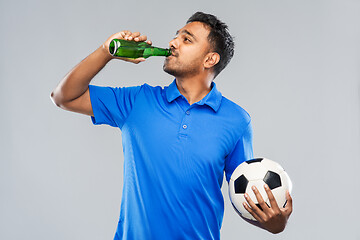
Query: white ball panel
[
  {"x": 272, "y": 166},
  {"x": 255, "y": 171},
  {"x": 239, "y": 170},
  {"x": 247, "y": 215},
  {"x": 259, "y": 184},
  {"x": 231, "y": 188},
  {"x": 279, "y": 195},
  {"x": 286, "y": 181},
  {"x": 238, "y": 200}
]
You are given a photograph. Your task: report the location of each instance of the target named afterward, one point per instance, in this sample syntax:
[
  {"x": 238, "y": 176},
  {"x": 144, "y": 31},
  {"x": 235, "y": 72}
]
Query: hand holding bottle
[{"x": 129, "y": 36}]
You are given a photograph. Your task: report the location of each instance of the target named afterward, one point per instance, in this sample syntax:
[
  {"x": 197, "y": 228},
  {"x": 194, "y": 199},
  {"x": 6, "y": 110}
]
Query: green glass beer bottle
[{"x": 131, "y": 49}]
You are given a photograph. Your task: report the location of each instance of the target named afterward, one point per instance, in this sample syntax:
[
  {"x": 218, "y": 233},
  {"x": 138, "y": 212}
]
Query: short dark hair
[{"x": 219, "y": 37}]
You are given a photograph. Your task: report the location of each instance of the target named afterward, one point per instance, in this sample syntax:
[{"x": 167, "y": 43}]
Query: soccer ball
[{"x": 258, "y": 172}]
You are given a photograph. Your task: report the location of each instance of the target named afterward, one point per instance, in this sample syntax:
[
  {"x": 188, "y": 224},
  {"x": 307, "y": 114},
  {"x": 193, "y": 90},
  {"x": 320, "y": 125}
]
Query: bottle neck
[{"x": 154, "y": 51}]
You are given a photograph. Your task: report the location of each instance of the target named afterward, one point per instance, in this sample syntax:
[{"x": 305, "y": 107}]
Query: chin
[{"x": 168, "y": 69}]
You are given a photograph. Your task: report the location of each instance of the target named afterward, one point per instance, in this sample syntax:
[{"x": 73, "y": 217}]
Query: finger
[
  {"x": 122, "y": 34},
  {"x": 125, "y": 33},
  {"x": 272, "y": 199},
  {"x": 246, "y": 206},
  {"x": 253, "y": 206},
  {"x": 137, "y": 60},
  {"x": 289, "y": 203},
  {"x": 287, "y": 210},
  {"x": 263, "y": 205},
  {"x": 142, "y": 38},
  {"x": 119, "y": 35},
  {"x": 128, "y": 35},
  {"x": 140, "y": 60},
  {"x": 135, "y": 34}
]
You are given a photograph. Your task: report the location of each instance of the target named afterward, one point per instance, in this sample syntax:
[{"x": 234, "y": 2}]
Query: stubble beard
[{"x": 179, "y": 69}]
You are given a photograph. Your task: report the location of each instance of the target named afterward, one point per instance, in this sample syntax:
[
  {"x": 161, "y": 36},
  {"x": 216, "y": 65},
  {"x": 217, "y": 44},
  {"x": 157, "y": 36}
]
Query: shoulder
[
  {"x": 148, "y": 89},
  {"x": 234, "y": 111}
]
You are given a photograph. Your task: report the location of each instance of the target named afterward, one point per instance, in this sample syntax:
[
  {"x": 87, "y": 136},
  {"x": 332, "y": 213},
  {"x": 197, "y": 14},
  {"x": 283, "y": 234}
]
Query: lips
[{"x": 173, "y": 53}]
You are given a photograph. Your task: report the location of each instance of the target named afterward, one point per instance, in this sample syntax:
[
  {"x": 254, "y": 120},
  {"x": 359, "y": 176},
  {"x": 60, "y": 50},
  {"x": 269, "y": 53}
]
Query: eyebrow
[{"x": 187, "y": 32}]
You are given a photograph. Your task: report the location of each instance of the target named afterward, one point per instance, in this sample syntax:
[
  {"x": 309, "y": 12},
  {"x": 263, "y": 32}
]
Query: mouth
[{"x": 173, "y": 54}]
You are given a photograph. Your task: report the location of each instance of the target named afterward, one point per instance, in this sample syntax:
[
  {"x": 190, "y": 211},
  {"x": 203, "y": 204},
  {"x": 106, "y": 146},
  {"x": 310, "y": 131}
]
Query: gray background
[{"x": 295, "y": 70}]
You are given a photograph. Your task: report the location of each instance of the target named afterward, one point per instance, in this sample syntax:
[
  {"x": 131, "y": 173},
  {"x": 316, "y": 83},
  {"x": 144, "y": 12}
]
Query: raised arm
[{"x": 72, "y": 93}]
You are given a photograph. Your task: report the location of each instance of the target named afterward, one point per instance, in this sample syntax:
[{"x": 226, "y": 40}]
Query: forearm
[{"x": 77, "y": 81}]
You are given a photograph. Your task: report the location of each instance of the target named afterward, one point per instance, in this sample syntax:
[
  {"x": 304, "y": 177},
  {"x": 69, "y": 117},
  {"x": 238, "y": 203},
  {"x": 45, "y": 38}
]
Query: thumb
[
  {"x": 136, "y": 61},
  {"x": 289, "y": 203}
]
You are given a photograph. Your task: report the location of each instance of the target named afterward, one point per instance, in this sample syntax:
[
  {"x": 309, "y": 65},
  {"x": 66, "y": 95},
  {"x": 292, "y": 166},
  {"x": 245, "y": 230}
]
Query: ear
[{"x": 211, "y": 59}]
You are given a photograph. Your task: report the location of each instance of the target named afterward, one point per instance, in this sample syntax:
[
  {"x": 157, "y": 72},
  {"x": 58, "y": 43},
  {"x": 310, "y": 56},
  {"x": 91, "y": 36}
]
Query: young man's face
[{"x": 189, "y": 49}]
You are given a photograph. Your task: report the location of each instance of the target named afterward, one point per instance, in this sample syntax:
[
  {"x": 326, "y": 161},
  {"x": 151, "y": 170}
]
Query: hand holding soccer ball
[{"x": 260, "y": 191}]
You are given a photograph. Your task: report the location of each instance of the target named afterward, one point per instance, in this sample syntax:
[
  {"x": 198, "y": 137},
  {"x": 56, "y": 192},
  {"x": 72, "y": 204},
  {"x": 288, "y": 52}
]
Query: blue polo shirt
[{"x": 175, "y": 157}]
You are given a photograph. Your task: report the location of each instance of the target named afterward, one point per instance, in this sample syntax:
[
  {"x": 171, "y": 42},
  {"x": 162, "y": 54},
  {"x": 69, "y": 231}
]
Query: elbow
[
  {"x": 53, "y": 99},
  {"x": 56, "y": 99}
]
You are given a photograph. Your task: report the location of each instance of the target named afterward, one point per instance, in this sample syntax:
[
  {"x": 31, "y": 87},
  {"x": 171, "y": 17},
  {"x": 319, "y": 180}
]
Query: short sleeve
[
  {"x": 112, "y": 105},
  {"x": 242, "y": 151}
]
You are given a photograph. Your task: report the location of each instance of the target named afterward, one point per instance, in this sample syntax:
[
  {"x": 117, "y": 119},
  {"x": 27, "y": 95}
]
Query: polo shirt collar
[{"x": 212, "y": 99}]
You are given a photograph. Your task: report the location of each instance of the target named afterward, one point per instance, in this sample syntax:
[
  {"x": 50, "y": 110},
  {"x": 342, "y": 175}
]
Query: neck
[{"x": 194, "y": 88}]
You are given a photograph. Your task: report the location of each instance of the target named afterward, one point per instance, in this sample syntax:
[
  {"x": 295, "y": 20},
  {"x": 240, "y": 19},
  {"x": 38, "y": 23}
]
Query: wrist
[{"x": 104, "y": 51}]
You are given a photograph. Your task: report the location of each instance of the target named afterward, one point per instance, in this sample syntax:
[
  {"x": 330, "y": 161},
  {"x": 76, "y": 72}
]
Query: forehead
[{"x": 198, "y": 29}]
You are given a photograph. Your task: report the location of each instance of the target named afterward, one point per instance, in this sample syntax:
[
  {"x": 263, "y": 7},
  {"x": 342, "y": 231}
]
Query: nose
[{"x": 173, "y": 44}]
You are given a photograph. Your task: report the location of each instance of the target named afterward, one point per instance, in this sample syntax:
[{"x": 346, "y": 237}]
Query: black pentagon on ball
[
  {"x": 254, "y": 160},
  {"x": 240, "y": 184},
  {"x": 258, "y": 205},
  {"x": 272, "y": 179}
]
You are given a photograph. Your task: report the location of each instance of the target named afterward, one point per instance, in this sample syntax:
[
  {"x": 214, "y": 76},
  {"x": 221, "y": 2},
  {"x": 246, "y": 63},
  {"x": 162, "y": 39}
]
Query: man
[{"x": 178, "y": 140}]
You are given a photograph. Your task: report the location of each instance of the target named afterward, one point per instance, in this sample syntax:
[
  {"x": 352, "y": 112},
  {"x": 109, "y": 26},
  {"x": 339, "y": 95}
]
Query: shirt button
[
  {"x": 188, "y": 112},
  {"x": 184, "y": 127}
]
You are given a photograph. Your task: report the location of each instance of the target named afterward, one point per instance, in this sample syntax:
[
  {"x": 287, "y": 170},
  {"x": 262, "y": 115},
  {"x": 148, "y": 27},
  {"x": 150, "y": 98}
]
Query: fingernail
[
  {"x": 246, "y": 195},
  {"x": 266, "y": 186},
  {"x": 253, "y": 188}
]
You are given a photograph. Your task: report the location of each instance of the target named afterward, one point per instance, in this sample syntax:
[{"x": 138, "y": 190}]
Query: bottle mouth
[{"x": 113, "y": 46}]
